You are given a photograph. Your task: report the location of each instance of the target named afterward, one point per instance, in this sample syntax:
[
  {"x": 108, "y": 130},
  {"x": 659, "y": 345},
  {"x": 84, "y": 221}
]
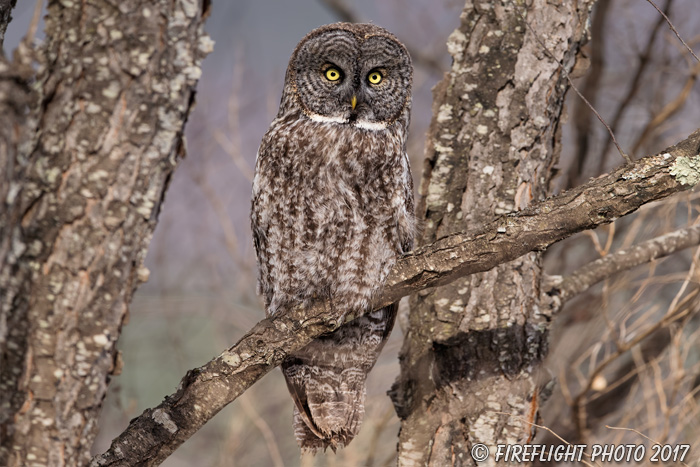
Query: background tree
[
  {"x": 473, "y": 347},
  {"x": 89, "y": 141},
  {"x": 626, "y": 357},
  {"x": 472, "y": 358}
]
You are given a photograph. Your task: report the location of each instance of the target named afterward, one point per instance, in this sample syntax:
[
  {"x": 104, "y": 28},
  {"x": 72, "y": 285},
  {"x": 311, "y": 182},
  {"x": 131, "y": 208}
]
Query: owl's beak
[{"x": 353, "y": 102}]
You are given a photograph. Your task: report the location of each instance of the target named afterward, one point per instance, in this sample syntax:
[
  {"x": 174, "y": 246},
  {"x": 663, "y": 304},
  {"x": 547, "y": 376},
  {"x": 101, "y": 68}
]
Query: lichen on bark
[
  {"x": 97, "y": 132},
  {"x": 473, "y": 347},
  {"x": 687, "y": 170}
]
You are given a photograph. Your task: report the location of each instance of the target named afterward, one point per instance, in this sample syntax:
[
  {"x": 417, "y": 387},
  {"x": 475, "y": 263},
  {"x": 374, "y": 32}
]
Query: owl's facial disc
[{"x": 341, "y": 77}]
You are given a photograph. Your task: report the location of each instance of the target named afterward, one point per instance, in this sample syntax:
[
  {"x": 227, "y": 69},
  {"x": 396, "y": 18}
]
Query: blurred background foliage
[{"x": 201, "y": 294}]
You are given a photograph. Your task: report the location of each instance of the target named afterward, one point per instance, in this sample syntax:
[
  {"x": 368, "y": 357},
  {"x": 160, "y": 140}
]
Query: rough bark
[
  {"x": 472, "y": 348},
  {"x": 86, "y": 152},
  {"x": 6, "y": 7},
  {"x": 204, "y": 391}
]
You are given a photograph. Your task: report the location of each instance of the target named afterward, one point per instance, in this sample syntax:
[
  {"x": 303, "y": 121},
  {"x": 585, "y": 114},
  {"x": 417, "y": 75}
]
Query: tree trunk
[
  {"x": 87, "y": 148},
  {"x": 6, "y": 7},
  {"x": 472, "y": 348}
]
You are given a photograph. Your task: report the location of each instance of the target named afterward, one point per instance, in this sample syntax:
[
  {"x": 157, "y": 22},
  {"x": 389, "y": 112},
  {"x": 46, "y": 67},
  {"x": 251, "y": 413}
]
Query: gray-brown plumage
[{"x": 332, "y": 209}]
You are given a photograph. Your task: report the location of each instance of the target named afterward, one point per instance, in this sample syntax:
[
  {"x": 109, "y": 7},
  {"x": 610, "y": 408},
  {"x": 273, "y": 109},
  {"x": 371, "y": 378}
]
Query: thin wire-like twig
[
  {"x": 378, "y": 429},
  {"x": 632, "y": 430},
  {"x": 644, "y": 61},
  {"x": 669, "y": 109},
  {"x": 571, "y": 83},
  {"x": 670, "y": 24},
  {"x": 549, "y": 430},
  {"x": 582, "y": 120},
  {"x": 264, "y": 428},
  {"x": 676, "y": 312}
]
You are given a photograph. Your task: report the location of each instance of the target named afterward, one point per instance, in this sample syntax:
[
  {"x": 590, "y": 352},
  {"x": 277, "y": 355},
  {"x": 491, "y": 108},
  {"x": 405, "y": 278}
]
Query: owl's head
[{"x": 355, "y": 74}]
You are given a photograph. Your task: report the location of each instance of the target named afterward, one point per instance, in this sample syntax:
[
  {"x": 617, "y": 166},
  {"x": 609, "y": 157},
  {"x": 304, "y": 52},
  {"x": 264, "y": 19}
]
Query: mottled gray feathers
[{"x": 332, "y": 209}]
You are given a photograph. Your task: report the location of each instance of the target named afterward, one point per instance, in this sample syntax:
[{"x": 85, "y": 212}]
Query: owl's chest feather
[
  {"x": 328, "y": 204},
  {"x": 336, "y": 171}
]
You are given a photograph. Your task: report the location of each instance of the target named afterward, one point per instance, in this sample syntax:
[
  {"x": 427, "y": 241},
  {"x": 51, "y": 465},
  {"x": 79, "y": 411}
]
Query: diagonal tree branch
[
  {"x": 204, "y": 391},
  {"x": 566, "y": 288}
]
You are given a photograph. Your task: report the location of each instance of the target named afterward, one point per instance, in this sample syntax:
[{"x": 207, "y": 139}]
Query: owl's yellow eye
[
  {"x": 333, "y": 74},
  {"x": 375, "y": 77}
]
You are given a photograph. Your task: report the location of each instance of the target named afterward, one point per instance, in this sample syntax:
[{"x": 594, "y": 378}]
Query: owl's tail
[{"x": 327, "y": 380}]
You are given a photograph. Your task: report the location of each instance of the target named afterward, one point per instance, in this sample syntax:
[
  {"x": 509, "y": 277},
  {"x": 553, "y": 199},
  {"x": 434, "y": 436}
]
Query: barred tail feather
[{"x": 326, "y": 380}]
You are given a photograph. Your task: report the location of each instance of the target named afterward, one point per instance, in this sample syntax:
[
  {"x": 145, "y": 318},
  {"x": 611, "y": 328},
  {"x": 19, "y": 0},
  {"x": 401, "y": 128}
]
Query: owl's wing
[{"x": 259, "y": 218}]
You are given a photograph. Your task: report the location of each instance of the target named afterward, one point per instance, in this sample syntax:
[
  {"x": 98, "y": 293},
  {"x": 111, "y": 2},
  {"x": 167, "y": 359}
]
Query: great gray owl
[{"x": 332, "y": 209}]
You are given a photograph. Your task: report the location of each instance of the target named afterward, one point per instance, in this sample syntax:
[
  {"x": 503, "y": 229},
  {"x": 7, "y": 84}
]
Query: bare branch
[
  {"x": 582, "y": 118},
  {"x": 644, "y": 61},
  {"x": 204, "y": 391},
  {"x": 622, "y": 260},
  {"x": 34, "y": 24},
  {"x": 669, "y": 109},
  {"x": 677, "y": 310},
  {"x": 670, "y": 24}
]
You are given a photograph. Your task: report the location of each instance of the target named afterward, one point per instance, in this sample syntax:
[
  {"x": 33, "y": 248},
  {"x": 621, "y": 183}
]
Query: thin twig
[
  {"x": 644, "y": 60},
  {"x": 234, "y": 152},
  {"x": 25, "y": 52},
  {"x": 546, "y": 428},
  {"x": 232, "y": 143},
  {"x": 378, "y": 429},
  {"x": 622, "y": 428},
  {"x": 204, "y": 391},
  {"x": 591, "y": 87},
  {"x": 34, "y": 24},
  {"x": 264, "y": 429},
  {"x": 669, "y": 109},
  {"x": 224, "y": 219},
  {"x": 670, "y": 24},
  {"x": 676, "y": 312}
]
